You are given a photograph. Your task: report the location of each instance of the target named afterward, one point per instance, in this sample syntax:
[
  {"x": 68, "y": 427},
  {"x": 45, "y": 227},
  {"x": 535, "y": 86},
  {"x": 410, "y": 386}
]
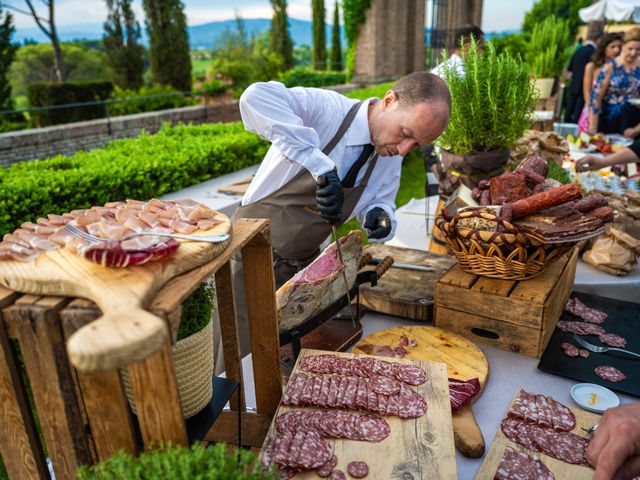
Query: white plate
[
  {"x": 619, "y": 139},
  {"x": 588, "y": 149},
  {"x": 594, "y": 398}
]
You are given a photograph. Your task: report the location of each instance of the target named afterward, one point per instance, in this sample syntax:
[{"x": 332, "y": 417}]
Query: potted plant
[
  {"x": 491, "y": 106},
  {"x": 548, "y": 52},
  {"x": 193, "y": 355},
  {"x": 179, "y": 463}
]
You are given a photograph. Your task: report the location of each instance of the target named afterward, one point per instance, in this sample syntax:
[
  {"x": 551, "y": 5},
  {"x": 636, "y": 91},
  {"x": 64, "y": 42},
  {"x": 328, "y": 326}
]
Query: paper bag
[{"x": 615, "y": 253}]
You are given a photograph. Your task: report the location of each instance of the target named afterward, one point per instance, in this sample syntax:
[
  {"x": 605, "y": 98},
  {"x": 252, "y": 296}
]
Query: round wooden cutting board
[{"x": 464, "y": 361}]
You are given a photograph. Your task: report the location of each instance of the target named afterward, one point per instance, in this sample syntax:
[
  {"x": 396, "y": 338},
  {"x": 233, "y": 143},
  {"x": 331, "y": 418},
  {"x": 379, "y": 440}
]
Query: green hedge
[
  {"x": 163, "y": 97},
  {"x": 43, "y": 94},
  {"x": 142, "y": 168},
  {"x": 308, "y": 77}
]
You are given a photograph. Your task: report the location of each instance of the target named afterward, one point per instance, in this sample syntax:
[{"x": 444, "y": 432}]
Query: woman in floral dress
[{"x": 618, "y": 81}]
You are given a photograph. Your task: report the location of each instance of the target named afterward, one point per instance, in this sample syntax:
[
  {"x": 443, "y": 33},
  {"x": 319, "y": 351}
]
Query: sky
[{"x": 497, "y": 15}]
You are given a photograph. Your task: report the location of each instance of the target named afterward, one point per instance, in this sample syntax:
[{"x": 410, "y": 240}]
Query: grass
[{"x": 199, "y": 67}]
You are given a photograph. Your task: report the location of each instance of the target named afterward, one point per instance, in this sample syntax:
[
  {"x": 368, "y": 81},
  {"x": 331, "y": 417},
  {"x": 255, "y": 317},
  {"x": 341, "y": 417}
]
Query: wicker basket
[
  {"x": 504, "y": 253},
  {"x": 193, "y": 362}
]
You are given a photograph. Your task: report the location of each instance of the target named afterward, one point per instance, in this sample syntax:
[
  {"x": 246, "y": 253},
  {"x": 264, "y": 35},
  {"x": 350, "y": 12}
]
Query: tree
[
  {"x": 121, "y": 40},
  {"x": 168, "y": 43},
  {"x": 319, "y": 39},
  {"x": 35, "y": 63},
  {"x": 336, "y": 49},
  {"x": 567, "y": 9},
  {"x": 7, "y": 54},
  {"x": 281, "y": 42}
]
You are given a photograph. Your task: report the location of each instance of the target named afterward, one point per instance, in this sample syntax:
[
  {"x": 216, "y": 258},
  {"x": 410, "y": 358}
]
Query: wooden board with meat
[
  {"x": 465, "y": 361},
  {"x": 350, "y": 410},
  {"x": 126, "y": 332},
  {"x": 549, "y": 432}
]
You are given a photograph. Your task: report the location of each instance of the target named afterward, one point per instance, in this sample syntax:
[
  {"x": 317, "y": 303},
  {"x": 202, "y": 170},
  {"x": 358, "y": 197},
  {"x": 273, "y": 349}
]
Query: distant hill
[{"x": 200, "y": 36}]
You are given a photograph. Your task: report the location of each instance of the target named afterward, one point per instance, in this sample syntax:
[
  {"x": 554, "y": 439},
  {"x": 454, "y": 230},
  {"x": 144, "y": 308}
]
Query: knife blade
[
  {"x": 344, "y": 274},
  {"x": 404, "y": 266}
]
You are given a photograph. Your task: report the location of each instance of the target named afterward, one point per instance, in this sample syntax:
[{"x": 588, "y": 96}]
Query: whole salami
[
  {"x": 610, "y": 374},
  {"x": 544, "y": 200}
]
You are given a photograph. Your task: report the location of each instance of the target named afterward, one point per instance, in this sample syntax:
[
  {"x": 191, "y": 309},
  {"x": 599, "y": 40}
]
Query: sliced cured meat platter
[
  {"x": 464, "y": 361},
  {"x": 623, "y": 319},
  {"x": 558, "y": 468},
  {"x": 126, "y": 332},
  {"x": 420, "y": 446}
]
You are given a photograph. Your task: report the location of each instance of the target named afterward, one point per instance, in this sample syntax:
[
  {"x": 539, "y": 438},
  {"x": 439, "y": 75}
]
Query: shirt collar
[
  {"x": 358, "y": 133},
  {"x": 589, "y": 42}
]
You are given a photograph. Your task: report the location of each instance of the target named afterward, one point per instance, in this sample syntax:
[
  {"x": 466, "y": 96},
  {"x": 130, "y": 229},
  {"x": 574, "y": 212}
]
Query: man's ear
[{"x": 390, "y": 100}]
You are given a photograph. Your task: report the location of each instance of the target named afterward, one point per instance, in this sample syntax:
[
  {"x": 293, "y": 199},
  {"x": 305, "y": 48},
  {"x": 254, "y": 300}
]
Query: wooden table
[{"x": 84, "y": 415}]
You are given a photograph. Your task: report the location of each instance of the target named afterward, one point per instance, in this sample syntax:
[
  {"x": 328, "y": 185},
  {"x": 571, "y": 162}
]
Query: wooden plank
[
  {"x": 229, "y": 332},
  {"x": 537, "y": 289},
  {"x": 43, "y": 349},
  {"x": 508, "y": 310},
  {"x": 494, "y": 286},
  {"x": 19, "y": 443},
  {"x": 421, "y": 448},
  {"x": 458, "y": 278},
  {"x": 259, "y": 281},
  {"x": 180, "y": 287},
  {"x": 405, "y": 293},
  {"x": 559, "y": 468},
  {"x": 155, "y": 391},
  {"x": 254, "y": 429},
  {"x": 506, "y": 336},
  {"x": 103, "y": 396}
]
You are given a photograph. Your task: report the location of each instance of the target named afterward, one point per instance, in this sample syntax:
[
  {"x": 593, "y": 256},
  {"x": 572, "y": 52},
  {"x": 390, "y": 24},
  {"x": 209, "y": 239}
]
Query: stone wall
[{"x": 41, "y": 143}]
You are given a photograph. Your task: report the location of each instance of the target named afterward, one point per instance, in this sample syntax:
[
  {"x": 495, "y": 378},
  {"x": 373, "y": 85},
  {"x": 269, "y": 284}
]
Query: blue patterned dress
[{"x": 615, "y": 112}]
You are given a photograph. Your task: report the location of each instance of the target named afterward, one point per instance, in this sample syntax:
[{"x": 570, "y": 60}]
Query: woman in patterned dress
[{"x": 618, "y": 81}]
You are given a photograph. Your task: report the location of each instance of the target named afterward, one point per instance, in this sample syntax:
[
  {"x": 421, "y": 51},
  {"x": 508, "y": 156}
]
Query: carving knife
[
  {"x": 344, "y": 274},
  {"x": 404, "y": 266}
]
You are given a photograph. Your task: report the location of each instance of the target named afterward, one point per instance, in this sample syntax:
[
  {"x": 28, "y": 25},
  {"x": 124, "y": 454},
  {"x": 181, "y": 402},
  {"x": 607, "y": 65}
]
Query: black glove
[
  {"x": 329, "y": 197},
  {"x": 377, "y": 223}
]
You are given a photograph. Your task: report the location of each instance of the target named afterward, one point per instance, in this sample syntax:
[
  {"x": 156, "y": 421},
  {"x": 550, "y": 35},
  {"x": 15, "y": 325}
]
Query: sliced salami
[
  {"x": 613, "y": 340},
  {"x": 410, "y": 374},
  {"x": 524, "y": 407},
  {"x": 564, "y": 446},
  {"x": 562, "y": 417},
  {"x": 583, "y": 353},
  {"x": 294, "y": 387},
  {"x": 545, "y": 415},
  {"x": 338, "y": 475},
  {"x": 361, "y": 395},
  {"x": 523, "y": 436},
  {"x": 325, "y": 470},
  {"x": 314, "y": 453},
  {"x": 384, "y": 385},
  {"x": 333, "y": 391},
  {"x": 580, "y": 328},
  {"x": 576, "y": 307},
  {"x": 570, "y": 350},
  {"x": 372, "y": 428},
  {"x": 610, "y": 374},
  {"x": 509, "y": 427},
  {"x": 358, "y": 469},
  {"x": 521, "y": 466}
]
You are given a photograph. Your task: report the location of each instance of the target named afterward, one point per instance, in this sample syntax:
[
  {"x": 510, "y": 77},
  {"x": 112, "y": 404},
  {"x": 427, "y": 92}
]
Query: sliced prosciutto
[
  {"x": 113, "y": 254},
  {"x": 461, "y": 392}
]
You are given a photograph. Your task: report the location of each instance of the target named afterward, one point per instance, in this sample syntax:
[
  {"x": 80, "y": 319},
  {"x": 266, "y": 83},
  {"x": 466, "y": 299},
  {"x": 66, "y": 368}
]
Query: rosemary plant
[
  {"x": 491, "y": 103},
  {"x": 549, "y": 48}
]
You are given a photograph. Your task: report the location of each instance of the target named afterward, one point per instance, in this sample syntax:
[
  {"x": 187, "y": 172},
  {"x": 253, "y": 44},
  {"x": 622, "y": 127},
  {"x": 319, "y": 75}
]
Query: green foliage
[
  {"x": 375, "y": 91},
  {"x": 319, "y": 38},
  {"x": 516, "y": 44},
  {"x": 302, "y": 55},
  {"x": 49, "y": 94},
  {"x": 179, "y": 463},
  {"x": 136, "y": 104},
  {"x": 7, "y": 54},
  {"x": 196, "y": 310},
  {"x": 212, "y": 86},
  {"x": 549, "y": 49},
  {"x": 245, "y": 60},
  {"x": 335, "y": 60},
  {"x": 122, "y": 43},
  {"x": 34, "y": 63},
  {"x": 279, "y": 38},
  {"x": 144, "y": 167},
  {"x": 354, "y": 14},
  {"x": 168, "y": 43},
  {"x": 567, "y": 9},
  {"x": 307, "y": 77},
  {"x": 491, "y": 103},
  {"x": 558, "y": 173}
]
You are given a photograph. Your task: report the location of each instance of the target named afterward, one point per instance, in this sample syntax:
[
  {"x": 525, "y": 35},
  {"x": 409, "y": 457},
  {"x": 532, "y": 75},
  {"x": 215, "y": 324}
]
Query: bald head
[{"x": 421, "y": 87}]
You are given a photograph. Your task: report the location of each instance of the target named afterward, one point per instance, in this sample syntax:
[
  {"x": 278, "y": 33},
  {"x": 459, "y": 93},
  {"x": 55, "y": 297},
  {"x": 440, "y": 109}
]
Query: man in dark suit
[{"x": 578, "y": 62}]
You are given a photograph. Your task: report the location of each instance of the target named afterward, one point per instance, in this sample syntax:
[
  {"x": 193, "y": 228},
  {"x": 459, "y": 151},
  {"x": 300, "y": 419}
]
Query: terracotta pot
[{"x": 544, "y": 87}]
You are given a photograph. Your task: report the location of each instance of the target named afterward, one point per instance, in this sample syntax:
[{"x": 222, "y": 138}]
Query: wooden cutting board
[
  {"x": 125, "y": 333},
  {"x": 418, "y": 448},
  {"x": 559, "y": 468},
  {"x": 464, "y": 361},
  {"x": 405, "y": 293}
]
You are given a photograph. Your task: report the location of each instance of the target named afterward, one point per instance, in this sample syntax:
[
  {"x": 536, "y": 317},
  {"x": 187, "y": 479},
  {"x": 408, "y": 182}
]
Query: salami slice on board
[
  {"x": 613, "y": 340},
  {"x": 570, "y": 350},
  {"x": 611, "y": 374},
  {"x": 358, "y": 469}
]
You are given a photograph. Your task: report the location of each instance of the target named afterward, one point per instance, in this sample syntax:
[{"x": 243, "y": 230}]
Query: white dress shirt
[
  {"x": 454, "y": 61},
  {"x": 299, "y": 122}
]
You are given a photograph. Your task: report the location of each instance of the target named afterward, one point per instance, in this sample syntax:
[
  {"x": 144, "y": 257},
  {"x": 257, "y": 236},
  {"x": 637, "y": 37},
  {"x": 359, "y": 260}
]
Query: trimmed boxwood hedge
[{"x": 141, "y": 168}]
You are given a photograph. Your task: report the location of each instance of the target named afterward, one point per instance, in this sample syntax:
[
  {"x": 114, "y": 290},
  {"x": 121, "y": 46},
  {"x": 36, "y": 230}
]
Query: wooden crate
[{"x": 518, "y": 316}]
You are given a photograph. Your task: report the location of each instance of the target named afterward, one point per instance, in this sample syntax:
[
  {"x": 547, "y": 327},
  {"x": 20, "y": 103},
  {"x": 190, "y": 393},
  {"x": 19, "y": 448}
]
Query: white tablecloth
[{"x": 593, "y": 281}]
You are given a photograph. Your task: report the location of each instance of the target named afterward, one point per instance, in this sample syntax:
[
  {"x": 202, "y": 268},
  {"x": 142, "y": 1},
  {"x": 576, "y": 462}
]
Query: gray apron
[{"x": 297, "y": 229}]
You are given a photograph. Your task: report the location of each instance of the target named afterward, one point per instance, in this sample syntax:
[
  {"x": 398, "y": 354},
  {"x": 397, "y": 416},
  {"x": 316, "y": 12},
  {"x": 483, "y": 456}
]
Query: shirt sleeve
[{"x": 278, "y": 115}]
